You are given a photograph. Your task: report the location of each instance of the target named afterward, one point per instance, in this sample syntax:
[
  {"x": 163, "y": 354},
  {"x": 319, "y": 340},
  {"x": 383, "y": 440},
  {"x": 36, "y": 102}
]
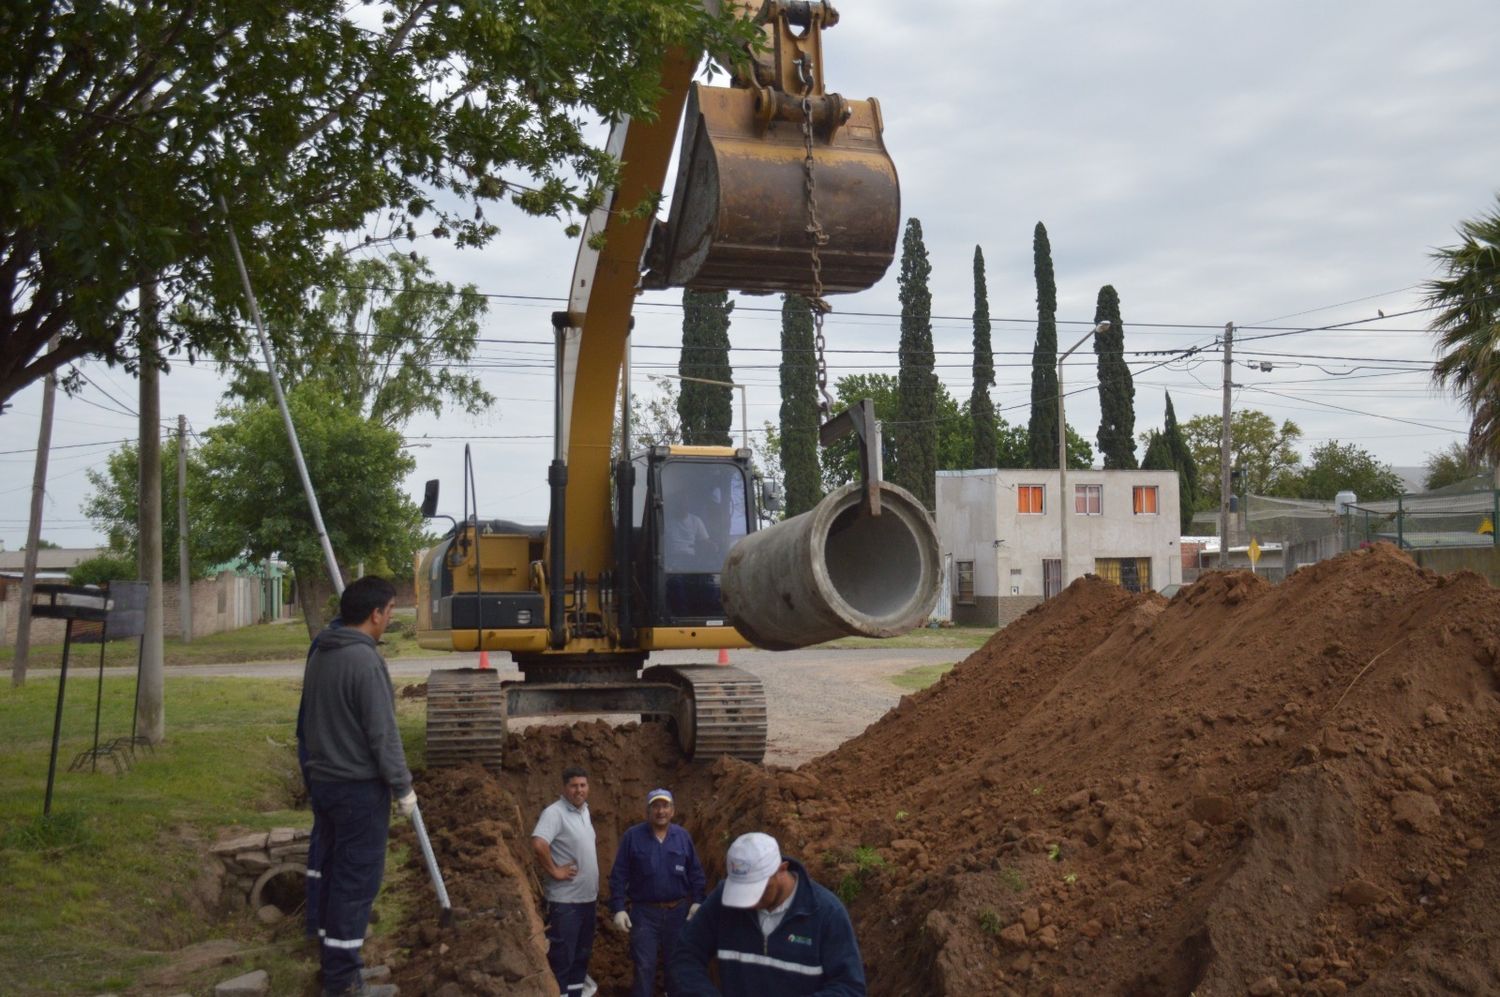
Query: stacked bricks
[{"x": 251, "y": 860}]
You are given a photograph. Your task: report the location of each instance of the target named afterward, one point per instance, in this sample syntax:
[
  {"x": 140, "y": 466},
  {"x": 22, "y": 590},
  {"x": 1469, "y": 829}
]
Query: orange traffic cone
[
  {"x": 484, "y": 659},
  {"x": 723, "y": 655}
]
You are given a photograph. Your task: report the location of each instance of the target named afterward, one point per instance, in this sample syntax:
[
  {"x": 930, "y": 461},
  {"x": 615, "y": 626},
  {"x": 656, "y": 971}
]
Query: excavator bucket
[{"x": 742, "y": 215}]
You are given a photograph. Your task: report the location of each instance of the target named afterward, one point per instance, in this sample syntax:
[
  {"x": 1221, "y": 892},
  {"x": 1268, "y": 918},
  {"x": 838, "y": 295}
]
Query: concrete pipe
[{"x": 835, "y": 572}]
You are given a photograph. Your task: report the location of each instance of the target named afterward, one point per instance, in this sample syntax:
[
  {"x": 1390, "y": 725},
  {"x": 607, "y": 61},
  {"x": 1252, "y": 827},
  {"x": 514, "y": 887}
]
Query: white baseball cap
[{"x": 752, "y": 860}]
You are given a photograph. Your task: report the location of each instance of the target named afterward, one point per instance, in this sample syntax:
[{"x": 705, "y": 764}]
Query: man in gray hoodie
[{"x": 356, "y": 766}]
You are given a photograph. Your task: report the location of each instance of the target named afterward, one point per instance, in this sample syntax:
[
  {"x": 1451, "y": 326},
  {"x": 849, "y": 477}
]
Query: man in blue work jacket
[
  {"x": 657, "y": 871},
  {"x": 773, "y": 931}
]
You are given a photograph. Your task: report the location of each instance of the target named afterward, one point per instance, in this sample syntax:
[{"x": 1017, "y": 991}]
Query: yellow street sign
[
  {"x": 1254, "y": 551},
  {"x": 1486, "y": 527}
]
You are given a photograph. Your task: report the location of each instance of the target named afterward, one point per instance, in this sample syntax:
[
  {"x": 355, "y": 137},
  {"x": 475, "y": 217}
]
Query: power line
[
  {"x": 124, "y": 409},
  {"x": 1342, "y": 408}
]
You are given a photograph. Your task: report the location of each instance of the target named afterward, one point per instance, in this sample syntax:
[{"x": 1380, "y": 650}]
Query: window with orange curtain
[
  {"x": 1144, "y": 500},
  {"x": 1029, "y": 499}
]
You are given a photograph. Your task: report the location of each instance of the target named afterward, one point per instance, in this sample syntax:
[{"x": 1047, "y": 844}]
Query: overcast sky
[{"x": 1277, "y": 163}]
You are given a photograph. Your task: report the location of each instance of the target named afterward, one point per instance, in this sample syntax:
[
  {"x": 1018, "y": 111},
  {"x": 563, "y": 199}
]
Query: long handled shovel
[{"x": 445, "y": 917}]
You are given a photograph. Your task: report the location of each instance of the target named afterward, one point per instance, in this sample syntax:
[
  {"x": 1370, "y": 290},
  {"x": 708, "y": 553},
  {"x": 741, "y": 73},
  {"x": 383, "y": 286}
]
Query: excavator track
[
  {"x": 465, "y": 717},
  {"x": 722, "y": 710}
]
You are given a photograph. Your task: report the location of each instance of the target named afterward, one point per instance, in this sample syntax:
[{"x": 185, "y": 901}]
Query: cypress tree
[
  {"x": 1187, "y": 468},
  {"x": 916, "y": 428},
  {"x": 981, "y": 409},
  {"x": 1158, "y": 455},
  {"x": 799, "y": 407},
  {"x": 1116, "y": 387},
  {"x": 706, "y": 410},
  {"x": 1043, "y": 428}
]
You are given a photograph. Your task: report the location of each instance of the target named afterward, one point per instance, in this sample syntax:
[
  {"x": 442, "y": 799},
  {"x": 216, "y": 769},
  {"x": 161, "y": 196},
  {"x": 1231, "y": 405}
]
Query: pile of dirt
[{"x": 1249, "y": 789}]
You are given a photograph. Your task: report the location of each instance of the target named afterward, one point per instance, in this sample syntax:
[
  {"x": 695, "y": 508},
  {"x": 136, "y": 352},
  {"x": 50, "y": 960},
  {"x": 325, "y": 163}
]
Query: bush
[{"x": 102, "y": 569}]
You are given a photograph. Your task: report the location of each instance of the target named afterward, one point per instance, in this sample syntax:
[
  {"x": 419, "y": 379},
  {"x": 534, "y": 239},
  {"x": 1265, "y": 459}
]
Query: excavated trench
[{"x": 1250, "y": 789}]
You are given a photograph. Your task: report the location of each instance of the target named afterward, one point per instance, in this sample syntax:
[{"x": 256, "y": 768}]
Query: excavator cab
[
  {"x": 695, "y": 506},
  {"x": 780, "y": 185}
]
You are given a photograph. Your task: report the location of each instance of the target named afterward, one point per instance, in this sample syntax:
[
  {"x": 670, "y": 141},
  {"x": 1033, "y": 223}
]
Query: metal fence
[{"x": 1312, "y": 531}]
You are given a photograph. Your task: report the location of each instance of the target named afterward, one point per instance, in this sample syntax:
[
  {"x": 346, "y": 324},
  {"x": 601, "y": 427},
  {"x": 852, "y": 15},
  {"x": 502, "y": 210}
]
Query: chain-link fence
[
  {"x": 1430, "y": 520},
  {"x": 1311, "y": 531}
]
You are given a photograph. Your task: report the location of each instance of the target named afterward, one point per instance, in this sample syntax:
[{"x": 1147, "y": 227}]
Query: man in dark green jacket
[
  {"x": 355, "y": 767},
  {"x": 773, "y": 931}
]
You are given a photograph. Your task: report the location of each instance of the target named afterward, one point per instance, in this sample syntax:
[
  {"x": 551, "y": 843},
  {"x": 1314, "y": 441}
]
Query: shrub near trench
[{"x": 115, "y": 881}]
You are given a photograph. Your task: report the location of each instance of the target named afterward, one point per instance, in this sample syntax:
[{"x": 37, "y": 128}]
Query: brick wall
[{"x": 989, "y": 611}]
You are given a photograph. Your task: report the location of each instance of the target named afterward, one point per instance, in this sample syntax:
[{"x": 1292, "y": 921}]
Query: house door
[{"x": 1051, "y": 577}]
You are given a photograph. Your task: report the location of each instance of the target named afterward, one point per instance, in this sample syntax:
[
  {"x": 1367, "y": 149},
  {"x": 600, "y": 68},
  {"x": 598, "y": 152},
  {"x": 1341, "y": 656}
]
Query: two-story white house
[{"x": 1001, "y": 531}]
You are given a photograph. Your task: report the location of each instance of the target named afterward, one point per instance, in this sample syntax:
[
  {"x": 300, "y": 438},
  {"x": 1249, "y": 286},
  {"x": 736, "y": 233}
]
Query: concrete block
[{"x": 243, "y": 843}]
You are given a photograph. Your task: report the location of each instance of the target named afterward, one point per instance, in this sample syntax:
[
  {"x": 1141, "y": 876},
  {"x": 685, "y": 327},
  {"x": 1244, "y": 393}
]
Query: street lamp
[{"x": 1062, "y": 449}]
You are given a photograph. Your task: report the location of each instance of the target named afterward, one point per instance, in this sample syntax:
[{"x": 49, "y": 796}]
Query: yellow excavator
[{"x": 781, "y": 187}]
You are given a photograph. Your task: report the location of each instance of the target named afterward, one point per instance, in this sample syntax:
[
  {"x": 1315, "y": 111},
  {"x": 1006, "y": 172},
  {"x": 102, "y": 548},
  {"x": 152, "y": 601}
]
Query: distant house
[
  {"x": 235, "y": 595},
  {"x": 1002, "y": 530},
  {"x": 52, "y": 565}
]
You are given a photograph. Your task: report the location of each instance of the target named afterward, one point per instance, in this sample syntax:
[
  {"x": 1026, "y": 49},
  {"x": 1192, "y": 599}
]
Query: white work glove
[
  {"x": 693, "y": 910},
  {"x": 622, "y": 921},
  {"x": 408, "y": 803}
]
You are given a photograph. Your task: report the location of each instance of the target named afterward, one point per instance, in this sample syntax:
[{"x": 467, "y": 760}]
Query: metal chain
[{"x": 819, "y": 239}]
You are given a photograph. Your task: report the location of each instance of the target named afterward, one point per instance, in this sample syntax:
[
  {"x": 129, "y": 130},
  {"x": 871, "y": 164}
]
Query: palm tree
[{"x": 1467, "y": 325}]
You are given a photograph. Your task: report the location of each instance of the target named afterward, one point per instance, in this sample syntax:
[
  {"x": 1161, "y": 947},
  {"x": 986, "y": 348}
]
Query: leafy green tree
[
  {"x": 1266, "y": 451},
  {"x": 981, "y": 409},
  {"x": 387, "y": 337},
  {"x": 1333, "y": 467},
  {"x": 954, "y": 424},
  {"x": 1467, "y": 326},
  {"x": 103, "y": 569},
  {"x": 250, "y": 503},
  {"x": 765, "y": 448},
  {"x": 797, "y": 437},
  {"x": 1043, "y": 425},
  {"x": 653, "y": 416},
  {"x": 706, "y": 411},
  {"x": 1450, "y": 466},
  {"x": 915, "y": 431},
  {"x": 125, "y": 121},
  {"x": 113, "y": 507},
  {"x": 1116, "y": 387}
]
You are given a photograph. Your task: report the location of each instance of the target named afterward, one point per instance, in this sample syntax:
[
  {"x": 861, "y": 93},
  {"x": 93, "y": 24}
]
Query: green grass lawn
[
  {"x": 920, "y": 677},
  {"x": 103, "y": 891},
  {"x": 284, "y": 640},
  {"x": 965, "y": 638}
]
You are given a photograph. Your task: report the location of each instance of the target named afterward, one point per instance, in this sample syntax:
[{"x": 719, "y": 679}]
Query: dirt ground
[{"x": 1250, "y": 789}]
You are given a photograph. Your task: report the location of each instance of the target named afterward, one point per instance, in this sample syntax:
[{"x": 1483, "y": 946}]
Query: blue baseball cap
[{"x": 660, "y": 794}]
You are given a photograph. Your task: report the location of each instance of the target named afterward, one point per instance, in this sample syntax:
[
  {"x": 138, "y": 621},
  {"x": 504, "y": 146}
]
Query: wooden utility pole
[
  {"x": 34, "y": 529},
  {"x": 1224, "y": 456},
  {"x": 184, "y": 578},
  {"x": 150, "y": 713}
]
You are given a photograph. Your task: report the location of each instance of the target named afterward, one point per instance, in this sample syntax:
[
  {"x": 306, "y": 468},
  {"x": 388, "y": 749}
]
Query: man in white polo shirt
[
  {"x": 563, "y": 842},
  {"x": 772, "y": 929}
]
